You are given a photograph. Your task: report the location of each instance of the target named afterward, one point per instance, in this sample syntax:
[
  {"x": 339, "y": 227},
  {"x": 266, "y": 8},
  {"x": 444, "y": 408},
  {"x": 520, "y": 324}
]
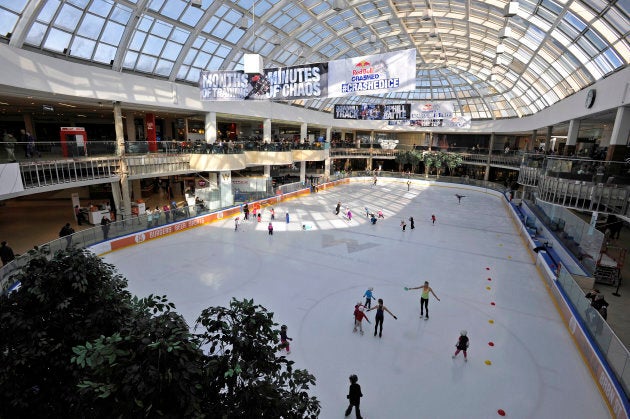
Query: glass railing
[
  {"x": 614, "y": 351},
  {"x": 585, "y": 170}
]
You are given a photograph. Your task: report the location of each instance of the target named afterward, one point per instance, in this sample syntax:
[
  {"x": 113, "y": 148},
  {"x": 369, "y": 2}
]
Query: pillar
[
  {"x": 303, "y": 132},
  {"x": 572, "y": 135},
  {"x": 486, "y": 175},
  {"x": 121, "y": 192},
  {"x": 534, "y": 138},
  {"x": 328, "y": 134},
  {"x": 619, "y": 135},
  {"x": 267, "y": 170},
  {"x": 136, "y": 188},
  {"x": 267, "y": 130},
  {"x": 302, "y": 172},
  {"x": 130, "y": 126},
  {"x": 28, "y": 123},
  {"x": 211, "y": 128},
  {"x": 151, "y": 131},
  {"x": 548, "y": 139},
  {"x": 168, "y": 128},
  {"x": 225, "y": 188}
]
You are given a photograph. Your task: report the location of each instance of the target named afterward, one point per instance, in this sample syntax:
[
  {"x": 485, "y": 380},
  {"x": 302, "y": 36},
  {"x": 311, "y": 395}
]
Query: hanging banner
[
  {"x": 435, "y": 114},
  {"x": 309, "y": 81},
  {"x": 373, "y": 112},
  {"x": 373, "y": 74}
]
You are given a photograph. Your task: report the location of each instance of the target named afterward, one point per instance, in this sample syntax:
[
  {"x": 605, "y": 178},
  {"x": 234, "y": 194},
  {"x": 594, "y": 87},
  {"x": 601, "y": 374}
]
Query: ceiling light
[
  {"x": 500, "y": 49},
  {"x": 338, "y": 5},
  {"x": 373, "y": 39},
  {"x": 195, "y": 3},
  {"x": 243, "y": 23},
  {"x": 433, "y": 33},
  {"x": 505, "y": 33},
  {"x": 511, "y": 9},
  {"x": 427, "y": 15}
]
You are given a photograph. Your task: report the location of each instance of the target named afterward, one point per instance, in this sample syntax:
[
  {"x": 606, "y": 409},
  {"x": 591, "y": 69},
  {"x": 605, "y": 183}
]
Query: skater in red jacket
[{"x": 359, "y": 315}]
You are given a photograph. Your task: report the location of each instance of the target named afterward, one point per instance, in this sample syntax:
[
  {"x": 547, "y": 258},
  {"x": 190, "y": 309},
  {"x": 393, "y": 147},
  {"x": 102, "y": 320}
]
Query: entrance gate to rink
[{"x": 605, "y": 354}]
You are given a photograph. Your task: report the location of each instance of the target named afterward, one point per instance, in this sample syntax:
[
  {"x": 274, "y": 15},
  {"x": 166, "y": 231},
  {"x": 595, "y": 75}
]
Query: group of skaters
[
  {"x": 256, "y": 215},
  {"x": 354, "y": 392}
]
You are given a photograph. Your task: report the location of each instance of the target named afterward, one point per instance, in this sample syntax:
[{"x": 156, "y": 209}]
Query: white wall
[{"x": 27, "y": 72}]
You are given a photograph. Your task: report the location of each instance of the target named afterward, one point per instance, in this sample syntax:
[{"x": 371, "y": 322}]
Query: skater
[
  {"x": 459, "y": 198},
  {"x": 105, "y": 227},
  {"x": 367, "y": 212},
  {"x": 374, "y": 184},
  {"x": 359, "y": 315},
  {"x": 354, "y": 396},
  {"x": 287, "y": 217},
  {"x": 411, "y": 223},
  {"x": 380, "y": 316},
  {"x": 349, "y": 213},
  {"x": 424, "y": 297},
  {"x": 462, "y": 345},
  {"x": 369, "y": 297},
  {"x": 380, "y": 214},
  {"x": 236, "y": 220},
  {"x": 284, "y": 339},
  {"x": 246, "y": 211},
  {"x": 270, "y": 228},
  {"x": 338, "y": 208},
  {"x": 403, "y": 225},
  {"x": 408, "y": 185},
  {"x": 259, "y": 217},
  {"x": 373, "y": 219},
  {"x": 273, "y": 214},
  {"x": 433, "y": 219}
]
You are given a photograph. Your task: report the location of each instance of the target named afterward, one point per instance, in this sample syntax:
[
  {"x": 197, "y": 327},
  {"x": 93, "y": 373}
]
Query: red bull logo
[
  {"x": 362, "y": 67},
  {"x": 363, "y": 63}
]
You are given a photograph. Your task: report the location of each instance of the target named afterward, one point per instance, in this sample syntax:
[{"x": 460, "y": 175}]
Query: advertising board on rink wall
[{"x": 366, "y": 75}]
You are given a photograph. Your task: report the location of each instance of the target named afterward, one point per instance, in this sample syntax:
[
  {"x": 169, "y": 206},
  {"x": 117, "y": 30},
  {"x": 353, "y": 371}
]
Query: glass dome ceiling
[{"x": 489, "y": 63}]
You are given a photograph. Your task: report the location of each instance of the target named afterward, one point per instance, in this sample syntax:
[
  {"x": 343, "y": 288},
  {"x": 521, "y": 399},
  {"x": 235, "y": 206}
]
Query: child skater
[
  {"x": 380, "y": 316},
  {"x": 359, "y": 315},
  {"x": 403, "y": 225},
  {"x": 411, "y": 223},
  {"x": 270, "y": 228},
  {"x": 462, "y": 345},
  {"x": 284, "y": 339},
  {"x": 369, "y": 297},
  {"x": 236, "y": 223},
  {"x": 380, "y": 214},
  {"x": 354, "y": 396}
]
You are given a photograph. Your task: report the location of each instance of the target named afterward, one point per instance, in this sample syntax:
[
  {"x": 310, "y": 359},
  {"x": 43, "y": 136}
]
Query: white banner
[{"x": 373, "y": 74}]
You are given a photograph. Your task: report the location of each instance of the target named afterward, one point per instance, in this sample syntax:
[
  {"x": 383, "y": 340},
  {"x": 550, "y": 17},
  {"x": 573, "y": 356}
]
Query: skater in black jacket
[
  {"x": 354, "y": 396},
  {"x": 462, "y": 345}
]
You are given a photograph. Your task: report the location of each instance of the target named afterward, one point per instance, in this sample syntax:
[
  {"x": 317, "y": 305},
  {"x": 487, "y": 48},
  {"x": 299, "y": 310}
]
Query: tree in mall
[
  {"x": 62, "y": 302},
  {"x": 244, "y": 368},
  {"x": 74, "y": 343}
]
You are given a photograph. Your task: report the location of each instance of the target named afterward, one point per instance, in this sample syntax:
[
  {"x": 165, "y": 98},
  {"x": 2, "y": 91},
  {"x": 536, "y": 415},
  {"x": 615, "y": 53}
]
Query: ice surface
[{"x": 312, "y": 279}]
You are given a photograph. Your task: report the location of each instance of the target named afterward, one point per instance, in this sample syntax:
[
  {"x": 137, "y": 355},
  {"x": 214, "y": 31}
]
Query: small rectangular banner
[{"x": 373, "y": 112}]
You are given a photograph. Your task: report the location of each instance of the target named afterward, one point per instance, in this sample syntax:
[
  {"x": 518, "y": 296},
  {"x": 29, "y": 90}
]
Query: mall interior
[{"x": 102, "y": 117}]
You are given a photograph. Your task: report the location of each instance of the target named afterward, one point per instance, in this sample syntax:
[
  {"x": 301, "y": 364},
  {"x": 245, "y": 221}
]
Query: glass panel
[
  {"x": 7, "y": 22},
  {"x": 48, "y": 11},
  {"x": 91, "y": 26},
  {"x": 14, "y": 5},
  {"x": 101, "y": 7},
  {"x": 57, "y": 40},
  {"x": 104, "y": 53},
  {"x": 113, "y": 33},
  {"x": 82, "y": 47},
  {"x": 36, "y": 34},
  {"x": 68, "y": 17}
]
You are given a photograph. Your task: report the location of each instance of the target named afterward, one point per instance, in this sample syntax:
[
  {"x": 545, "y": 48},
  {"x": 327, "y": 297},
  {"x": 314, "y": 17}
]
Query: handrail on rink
[{"x": 605, "y": 354}]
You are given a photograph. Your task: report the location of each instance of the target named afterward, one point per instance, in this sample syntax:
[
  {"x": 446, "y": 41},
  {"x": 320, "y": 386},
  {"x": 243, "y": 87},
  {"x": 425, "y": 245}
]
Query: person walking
[
  {"x": 354, "y": 397},
  {"x": 369, "y": 297},
  {"x": 67, "y": 232},
  {"x": 411, "y": 223},
  {"x": 284, "y": 339},
  {"x": 380, "y": 316},
  {"x": 424, "y": 298},
  {"x": 6, "y": 253},
  {"x": 270, "y": 228},
  {"x": 462, "y": 345},
  {"x": 105, "y": 227}
]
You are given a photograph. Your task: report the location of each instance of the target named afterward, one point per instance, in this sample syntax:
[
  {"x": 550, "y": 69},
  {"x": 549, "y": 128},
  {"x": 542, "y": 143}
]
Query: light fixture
[
  {"x": 505, "y": 33},
  {"x": 338, "y": 5},
  {"x": 243, "y": 23},
  {"x": 433, "y": 33},
  {"x": 427, "y": 15},
  {"x": 372, "y": 39},
  {"x": 274, "y": 40},
  {"x": 500, "y": 49},
  {"x": 511, "y": 9},
  {"x": 195, "y": 3}
]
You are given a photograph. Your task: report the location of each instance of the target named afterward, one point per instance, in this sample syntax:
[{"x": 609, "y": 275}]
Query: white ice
[{"x": 312, "y": 279}]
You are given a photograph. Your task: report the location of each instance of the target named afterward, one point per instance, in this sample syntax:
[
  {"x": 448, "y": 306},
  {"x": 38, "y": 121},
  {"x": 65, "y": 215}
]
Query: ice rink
[{"x": 521, "y": 359}]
